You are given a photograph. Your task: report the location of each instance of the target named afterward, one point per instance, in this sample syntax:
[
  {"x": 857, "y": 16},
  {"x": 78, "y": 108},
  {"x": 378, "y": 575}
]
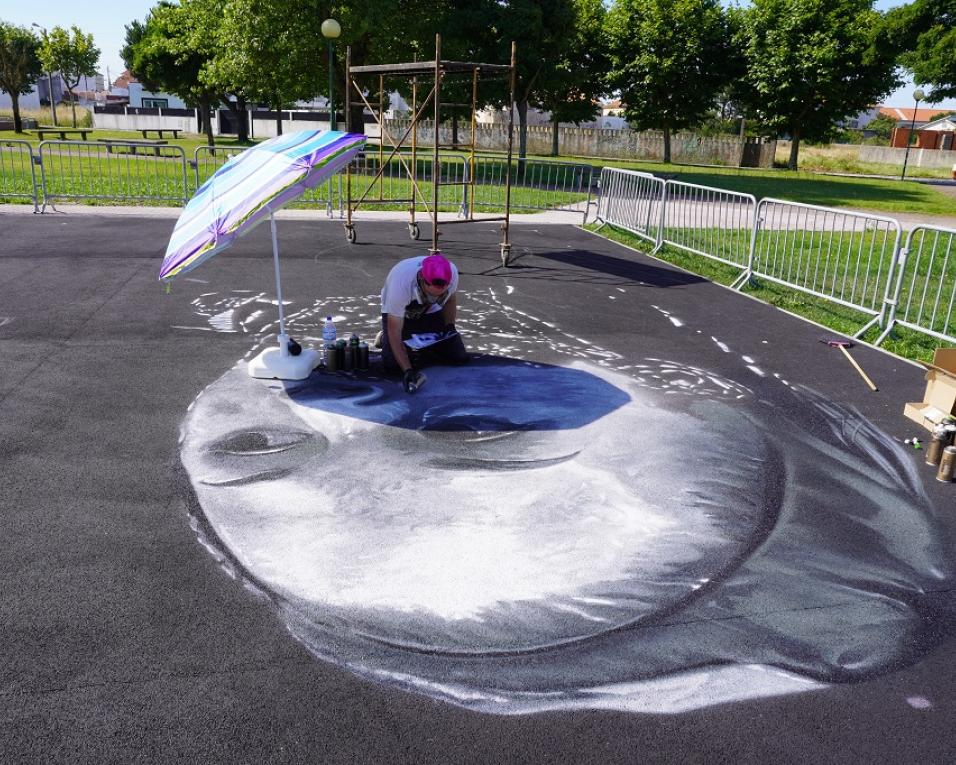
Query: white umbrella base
[{"x": 271, "y": 364}]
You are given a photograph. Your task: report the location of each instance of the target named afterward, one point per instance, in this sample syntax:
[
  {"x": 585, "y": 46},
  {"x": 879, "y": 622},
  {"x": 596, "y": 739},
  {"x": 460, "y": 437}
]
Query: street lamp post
[
  {"x": 49, "y": 77},
  {"x": 918, "y": 96},
  {"x": 331, "y": 29}
]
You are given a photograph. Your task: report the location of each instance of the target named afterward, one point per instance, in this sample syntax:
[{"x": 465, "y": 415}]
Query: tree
[
  {"x": 925, "y": 32},
  {"x": 668, "y": 60},
  {"x": 19, "y": 65},
  {"x": 572, "y": 91},
  {"x": 882, "y": 126},
  {"x": 812, "y": 63},
  {"x": 172, "y": 50},
  {"x": 542, "y": 31},
  {"x": 269, "y": 50},
  {"x": 72, "y": 54}
]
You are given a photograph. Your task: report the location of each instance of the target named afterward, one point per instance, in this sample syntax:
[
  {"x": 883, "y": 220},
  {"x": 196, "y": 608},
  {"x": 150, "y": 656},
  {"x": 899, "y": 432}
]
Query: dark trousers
[{"x": 449, "y": 351}]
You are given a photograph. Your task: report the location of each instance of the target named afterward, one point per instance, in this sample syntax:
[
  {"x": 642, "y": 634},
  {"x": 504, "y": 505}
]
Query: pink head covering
[{"x": 436, "y": 266}]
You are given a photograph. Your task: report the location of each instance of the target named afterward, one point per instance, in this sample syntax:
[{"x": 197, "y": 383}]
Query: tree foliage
[
  {"x": 811, "y": 63},
  {"x": 925, "y": 32},
  {"x": 269, "y": 50},
  {"x": 173, "y": 49},
  {"x": 20, "y": 65},
  {"x": 73, "y": 54},
  {"x": 571, "y": 92},
  {"x": 667, "y": 60}
]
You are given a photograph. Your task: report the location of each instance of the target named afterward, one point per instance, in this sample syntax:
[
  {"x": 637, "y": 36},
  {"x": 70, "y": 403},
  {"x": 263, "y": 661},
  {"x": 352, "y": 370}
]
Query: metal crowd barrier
[
  {"x": 117, "y": 170},
  {"x": 842, "y": 256},
  {"x": 925, "y": 290},
  {"x": 393, "y": 189},
  {"x": 536, "y": 184},
  {"x": 711, "y": 222},
  {"x": 208, "y": 159},
  {"x": 633, "y": 201},
  {"x": 18, "y": 178}
]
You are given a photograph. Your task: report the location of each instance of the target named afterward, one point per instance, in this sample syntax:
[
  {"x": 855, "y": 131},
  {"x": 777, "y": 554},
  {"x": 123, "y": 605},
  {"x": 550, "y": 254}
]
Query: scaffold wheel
[
  {"x": 350, "y": 234},
  {"x": 413, "y": 230}
]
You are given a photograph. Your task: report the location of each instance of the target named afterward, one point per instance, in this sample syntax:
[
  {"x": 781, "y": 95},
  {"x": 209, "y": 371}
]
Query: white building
[{"x": 39, "y": 92}]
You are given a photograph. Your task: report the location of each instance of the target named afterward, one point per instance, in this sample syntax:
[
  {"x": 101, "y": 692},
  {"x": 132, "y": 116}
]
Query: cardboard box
[{"x": 939, "y": 401}]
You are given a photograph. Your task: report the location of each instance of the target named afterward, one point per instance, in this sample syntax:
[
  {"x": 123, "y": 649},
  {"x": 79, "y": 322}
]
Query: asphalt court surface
[{"x": 126, "y": 640}]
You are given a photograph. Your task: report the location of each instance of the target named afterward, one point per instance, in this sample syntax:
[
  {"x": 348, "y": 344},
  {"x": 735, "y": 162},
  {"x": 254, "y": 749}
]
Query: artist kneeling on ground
[{"x": 419, "y": 305}]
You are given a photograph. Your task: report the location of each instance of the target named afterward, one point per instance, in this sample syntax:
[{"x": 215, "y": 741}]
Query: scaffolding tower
[{"x": 435, "y": 72}]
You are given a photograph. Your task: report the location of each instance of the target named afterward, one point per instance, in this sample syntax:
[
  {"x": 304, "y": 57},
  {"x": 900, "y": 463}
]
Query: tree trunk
[
  {"x": 205, "y": 108},
  {"x": 355, "y": 119},
  {"x": 667, "y": 143},
  {"x": 15, "y": 102},
  {"x": 794, "y": 150},
  {"x": 454, "y": 127},
  {"x": 554, "y": 136},
  {"x": 522, "y": 139},
  {"x": 242, "y": 115},
  {"x": 72, "y": 104},
  {"x": 278, "y": 110}
]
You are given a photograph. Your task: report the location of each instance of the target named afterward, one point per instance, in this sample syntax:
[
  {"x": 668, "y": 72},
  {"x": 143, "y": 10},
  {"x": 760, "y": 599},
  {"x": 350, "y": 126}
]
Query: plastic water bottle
[{"x": 328, "y": 331}]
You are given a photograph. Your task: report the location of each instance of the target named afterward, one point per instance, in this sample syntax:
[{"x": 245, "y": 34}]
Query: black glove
[
  {"x": 294, "y": 348},
  {"x": 412, "y": 380}
]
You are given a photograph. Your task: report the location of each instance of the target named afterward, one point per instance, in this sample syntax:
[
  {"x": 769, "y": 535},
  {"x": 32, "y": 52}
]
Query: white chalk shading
[
  {"x": 723, "y": 346},
  {"x": 675, "y": 321},
  {"x": 660, "y": 499},
  {"x": 756, "y": 370}
]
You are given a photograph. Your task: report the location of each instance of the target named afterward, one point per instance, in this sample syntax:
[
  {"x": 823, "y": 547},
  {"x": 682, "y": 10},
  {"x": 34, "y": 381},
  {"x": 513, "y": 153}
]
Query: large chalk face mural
[{"x": 582, "y": 532}]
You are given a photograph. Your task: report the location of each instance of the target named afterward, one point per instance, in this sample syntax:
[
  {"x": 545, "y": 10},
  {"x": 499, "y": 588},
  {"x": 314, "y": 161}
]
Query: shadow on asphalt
[{"x": 594, "y": 268}]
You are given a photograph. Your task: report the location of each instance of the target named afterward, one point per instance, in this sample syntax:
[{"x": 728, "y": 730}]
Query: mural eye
[
  {"x": 258, "y": 442},
  {"x": 247, "y": 456}
]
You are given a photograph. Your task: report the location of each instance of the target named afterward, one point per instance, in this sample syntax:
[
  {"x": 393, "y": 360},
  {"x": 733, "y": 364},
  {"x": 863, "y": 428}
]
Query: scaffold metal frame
[{"x": 436, "y": 71}]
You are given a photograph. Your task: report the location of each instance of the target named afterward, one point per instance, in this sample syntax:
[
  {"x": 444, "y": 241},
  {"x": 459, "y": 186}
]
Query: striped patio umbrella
[
  {"x": 242, "y": 193},
  {"x": 251, "y": 186}
]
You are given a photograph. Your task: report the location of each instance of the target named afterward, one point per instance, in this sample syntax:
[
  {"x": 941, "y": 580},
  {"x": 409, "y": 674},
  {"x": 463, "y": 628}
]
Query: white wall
[
  {"x": 40, "y": 88},
  {"x": 137, "y": 93}
]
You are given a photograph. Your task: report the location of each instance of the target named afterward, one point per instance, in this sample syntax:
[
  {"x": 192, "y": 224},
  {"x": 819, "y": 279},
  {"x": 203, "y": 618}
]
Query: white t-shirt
[{"x": 401, "y": 296}]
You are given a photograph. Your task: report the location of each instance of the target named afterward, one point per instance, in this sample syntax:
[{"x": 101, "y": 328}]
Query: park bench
[
  {"x": 131, "y": 144},
  {"x": 62, "y": 132},
  {"x": 160, "y": 132}
]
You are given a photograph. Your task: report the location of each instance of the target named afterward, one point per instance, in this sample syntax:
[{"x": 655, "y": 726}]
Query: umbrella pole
[{"x": 283, "y": 337}]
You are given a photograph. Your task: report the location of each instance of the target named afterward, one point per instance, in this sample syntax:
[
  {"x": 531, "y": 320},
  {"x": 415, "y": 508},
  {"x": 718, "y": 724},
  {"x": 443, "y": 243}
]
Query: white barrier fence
[
  {"x": 711, "y": 222},
  {"x": 926, "y": 284},
  {"x": 18, "y": 171},
  {"x": 853, "y": 259},
  {"x": 633, "y": 201}
]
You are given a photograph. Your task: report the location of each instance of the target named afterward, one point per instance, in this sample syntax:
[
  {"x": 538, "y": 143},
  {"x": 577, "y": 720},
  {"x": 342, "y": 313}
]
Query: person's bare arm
[
  {"x": 449, "y": 311},
  {"x": 395, "y": 324}
]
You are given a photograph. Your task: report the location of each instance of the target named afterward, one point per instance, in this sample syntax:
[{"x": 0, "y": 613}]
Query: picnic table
[
  {"x": 62, "y": 132},
  {"x": 160, "y": 132},
  {"x": 131, "y": 144}
]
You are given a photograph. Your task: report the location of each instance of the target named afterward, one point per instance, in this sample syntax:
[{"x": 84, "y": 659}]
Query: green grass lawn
[
  {"x": 887, "y": 196},
  {"x": 843, "y": 320}
]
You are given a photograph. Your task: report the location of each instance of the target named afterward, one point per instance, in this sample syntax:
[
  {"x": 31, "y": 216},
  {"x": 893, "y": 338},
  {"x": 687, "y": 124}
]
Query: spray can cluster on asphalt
[
  {"x": 341, "y": 355},
  {"x": 941, "y": 452}
]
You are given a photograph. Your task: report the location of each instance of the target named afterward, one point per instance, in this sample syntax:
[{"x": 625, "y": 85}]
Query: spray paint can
[
  {"x": 935, "y": 451},
  {"x": 362, "y": 364},
  {"x": 946, "y": 465},
  {"x": 348, "y": 358},
  {"x": 340, "y": 353},
  {"x": 331, "y": 358}
]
